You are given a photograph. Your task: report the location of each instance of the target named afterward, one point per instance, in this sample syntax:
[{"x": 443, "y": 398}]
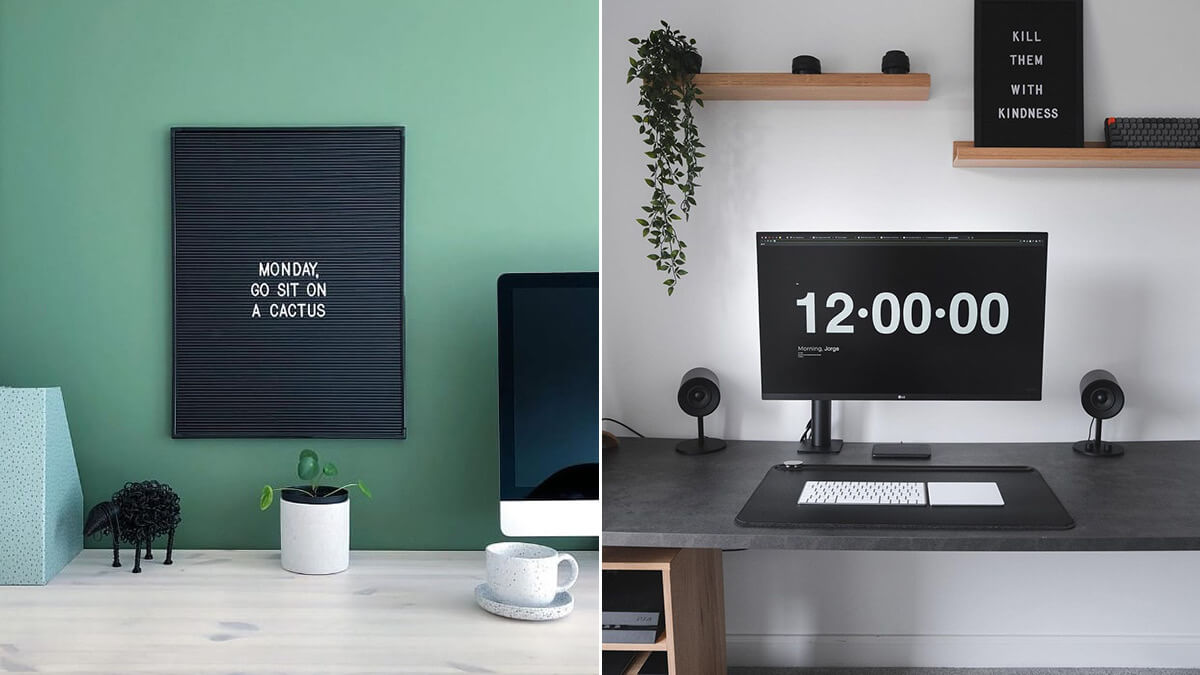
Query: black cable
[
  {"x": 807, "y": 431},
  {"x": 635, "y": 431}
]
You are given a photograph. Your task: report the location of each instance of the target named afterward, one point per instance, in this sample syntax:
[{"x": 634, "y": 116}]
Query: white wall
[{"x": 1122, "y": 281}]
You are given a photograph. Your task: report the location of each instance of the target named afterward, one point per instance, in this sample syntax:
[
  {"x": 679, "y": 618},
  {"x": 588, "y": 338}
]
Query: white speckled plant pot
[{"x": 314, "y": 533}]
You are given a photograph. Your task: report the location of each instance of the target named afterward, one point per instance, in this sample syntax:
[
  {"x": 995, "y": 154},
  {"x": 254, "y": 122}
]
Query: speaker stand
[
  {"x": 820, "y": 443},
  {"x": 1098, "y": 448},
  {"x": 701, "y": 444}
]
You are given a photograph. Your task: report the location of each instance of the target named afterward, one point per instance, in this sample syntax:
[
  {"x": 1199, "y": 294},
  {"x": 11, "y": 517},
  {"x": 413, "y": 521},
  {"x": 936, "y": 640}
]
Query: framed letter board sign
[
  {"x": 1029, "y": 73},
  {"x": 289, "y": 283}
]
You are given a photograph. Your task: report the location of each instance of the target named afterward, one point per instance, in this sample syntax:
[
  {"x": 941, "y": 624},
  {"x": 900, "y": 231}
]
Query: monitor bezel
[
  {"x": 506, "y": 284},
  {"x": 902, "y": 396}
]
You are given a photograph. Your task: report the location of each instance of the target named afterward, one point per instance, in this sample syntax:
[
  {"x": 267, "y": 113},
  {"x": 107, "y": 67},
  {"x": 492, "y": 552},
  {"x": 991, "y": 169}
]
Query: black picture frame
[
  {"x": 242, "y": 195},
  {"x": 1060, "y": 82}
]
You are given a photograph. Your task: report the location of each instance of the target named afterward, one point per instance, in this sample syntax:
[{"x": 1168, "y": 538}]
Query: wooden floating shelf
[
  {"x": 1092, "y": 155},
  {"x": 823, "y": 87}
]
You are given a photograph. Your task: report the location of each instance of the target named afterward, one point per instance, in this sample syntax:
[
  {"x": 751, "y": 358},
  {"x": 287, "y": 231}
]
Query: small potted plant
[
  {"x": 314, "y": 519},
  {"x": 666, "y": 62}
]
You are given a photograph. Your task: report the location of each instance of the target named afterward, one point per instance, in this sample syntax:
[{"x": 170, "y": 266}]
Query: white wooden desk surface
[{"x": 225, "y": 612}]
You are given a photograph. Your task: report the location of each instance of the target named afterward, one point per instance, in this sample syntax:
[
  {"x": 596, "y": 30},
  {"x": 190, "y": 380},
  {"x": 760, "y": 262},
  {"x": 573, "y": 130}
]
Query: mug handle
[{"x": 569, "y": 559}]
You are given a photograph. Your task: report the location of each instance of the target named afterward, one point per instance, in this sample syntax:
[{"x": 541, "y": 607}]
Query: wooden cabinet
[{"x": 693, "y": 601}]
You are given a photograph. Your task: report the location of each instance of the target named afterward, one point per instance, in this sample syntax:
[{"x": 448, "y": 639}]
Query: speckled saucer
[{"x": 561, "y": 606}]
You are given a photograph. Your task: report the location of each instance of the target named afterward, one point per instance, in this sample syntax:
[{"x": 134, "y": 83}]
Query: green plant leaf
[
  {"x": 330, "y": 469},
  {"x": 666, "y": 92},
  {"x": 268, "y": 495},
  {"x": 309, "y": 465},
  {"x": 362, "y": 486}
]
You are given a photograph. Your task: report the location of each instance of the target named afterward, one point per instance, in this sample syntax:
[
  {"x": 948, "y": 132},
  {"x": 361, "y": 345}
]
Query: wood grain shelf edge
[
  {"x": 1093, "y": 155},
  {"x": 823, "y": 87},
  {"x": 637, "y": 558},
  {"x": 660, "y": 645}
]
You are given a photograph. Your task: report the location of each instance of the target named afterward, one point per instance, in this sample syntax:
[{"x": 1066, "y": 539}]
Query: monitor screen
[
  {"x": 901, "y": 315},
  {"x": 549, "y": 385}
]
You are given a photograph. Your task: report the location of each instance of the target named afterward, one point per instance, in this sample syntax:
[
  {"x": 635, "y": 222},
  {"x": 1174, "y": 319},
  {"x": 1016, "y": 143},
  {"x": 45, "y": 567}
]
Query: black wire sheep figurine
[{"x": 138, "y": 514}]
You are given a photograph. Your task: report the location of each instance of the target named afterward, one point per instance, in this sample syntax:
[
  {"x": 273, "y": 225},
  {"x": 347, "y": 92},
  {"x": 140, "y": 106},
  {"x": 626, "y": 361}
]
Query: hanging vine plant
[{"x": 665, "y": 64}]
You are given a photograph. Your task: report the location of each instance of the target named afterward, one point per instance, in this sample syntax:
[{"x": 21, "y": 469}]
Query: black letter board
[
  {"x": 1029, "y": 73},
  {"x": 289, "y": 292}
]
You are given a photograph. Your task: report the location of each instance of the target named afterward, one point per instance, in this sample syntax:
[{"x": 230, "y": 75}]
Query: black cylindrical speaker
[
  {"x": 699, "y": 392},
  {"x": 1102, "y": 398},
  {"x": 699, "y": 395},
  {"x": 1100, "y": 394}
]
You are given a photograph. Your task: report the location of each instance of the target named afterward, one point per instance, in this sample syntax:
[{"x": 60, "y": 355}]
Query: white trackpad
[{"x": 964, "y": 494}]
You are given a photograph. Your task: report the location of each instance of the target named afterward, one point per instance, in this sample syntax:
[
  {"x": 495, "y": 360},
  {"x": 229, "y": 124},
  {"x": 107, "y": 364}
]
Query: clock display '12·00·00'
[{"x": 901, "y": 315}]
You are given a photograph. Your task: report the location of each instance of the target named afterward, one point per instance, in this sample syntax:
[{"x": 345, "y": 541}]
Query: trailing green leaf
[{"x": 665, "y": 64}]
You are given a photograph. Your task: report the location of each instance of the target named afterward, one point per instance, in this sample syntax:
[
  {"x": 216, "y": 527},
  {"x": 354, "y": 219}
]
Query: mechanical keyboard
[{"x": 1152, "y": 132}]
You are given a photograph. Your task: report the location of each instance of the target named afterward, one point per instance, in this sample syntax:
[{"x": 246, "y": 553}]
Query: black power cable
[{"x": 635, "y": 431}]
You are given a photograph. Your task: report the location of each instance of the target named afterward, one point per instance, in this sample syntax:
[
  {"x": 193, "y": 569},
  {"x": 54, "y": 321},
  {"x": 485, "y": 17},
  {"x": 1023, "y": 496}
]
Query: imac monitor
[
  {"x": 900, "y": 315},
  {"x": 549, "y": 376}
]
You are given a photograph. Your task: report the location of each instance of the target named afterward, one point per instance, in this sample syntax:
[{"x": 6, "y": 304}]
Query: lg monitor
[
  {"x": 549, "y": 376},
  {"x": 899, "y": 316}
]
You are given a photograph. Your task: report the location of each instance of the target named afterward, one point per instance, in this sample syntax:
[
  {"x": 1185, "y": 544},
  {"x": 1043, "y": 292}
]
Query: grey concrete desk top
[{"x": 1147, "y": 500}]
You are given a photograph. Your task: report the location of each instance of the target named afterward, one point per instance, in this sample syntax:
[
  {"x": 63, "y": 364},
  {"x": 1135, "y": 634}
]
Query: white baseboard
[{"x": 965, "y": 651}]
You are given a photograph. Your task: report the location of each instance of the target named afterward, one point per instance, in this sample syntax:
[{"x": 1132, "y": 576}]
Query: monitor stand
[{"x": 820, "y": 442}]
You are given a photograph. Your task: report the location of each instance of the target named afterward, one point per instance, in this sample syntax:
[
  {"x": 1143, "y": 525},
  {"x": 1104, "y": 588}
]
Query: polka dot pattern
[
  {"x": 561, "y": 606},
  {"x": 41, "y": 503}
]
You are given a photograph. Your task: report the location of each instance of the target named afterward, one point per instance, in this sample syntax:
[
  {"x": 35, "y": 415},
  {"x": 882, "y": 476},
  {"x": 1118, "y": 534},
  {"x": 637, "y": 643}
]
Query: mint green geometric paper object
[{"x": 41, "y": 503}]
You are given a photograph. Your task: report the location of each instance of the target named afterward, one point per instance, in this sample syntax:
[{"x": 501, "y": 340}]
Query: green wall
[{"x": 501, "y": 105}]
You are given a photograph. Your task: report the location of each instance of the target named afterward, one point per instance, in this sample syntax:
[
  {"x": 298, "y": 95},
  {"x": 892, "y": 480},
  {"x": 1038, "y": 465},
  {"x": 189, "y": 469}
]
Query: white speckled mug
[{"x": 527, "y": 575}]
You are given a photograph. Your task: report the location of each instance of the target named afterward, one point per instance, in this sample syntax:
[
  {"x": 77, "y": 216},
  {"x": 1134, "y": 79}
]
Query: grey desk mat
[{"x": 1029, "y": 504}]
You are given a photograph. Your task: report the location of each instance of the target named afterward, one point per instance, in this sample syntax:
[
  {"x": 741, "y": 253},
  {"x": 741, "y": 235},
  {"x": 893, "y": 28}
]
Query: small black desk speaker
[
  {"x": 1102, "y": 398},
  {"x": 699, "y": 395}
]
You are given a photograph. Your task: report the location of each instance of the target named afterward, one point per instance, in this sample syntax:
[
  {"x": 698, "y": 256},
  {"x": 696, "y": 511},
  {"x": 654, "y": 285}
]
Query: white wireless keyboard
[{"x": 862, "y": 492}]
